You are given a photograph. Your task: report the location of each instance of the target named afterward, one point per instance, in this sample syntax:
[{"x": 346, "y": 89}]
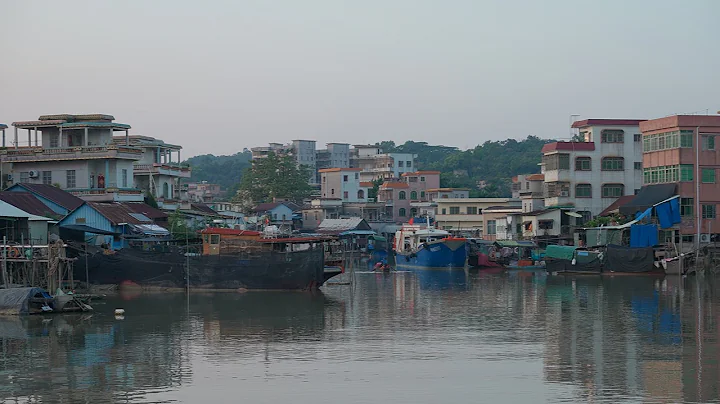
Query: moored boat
[
  {"x": 426, "y": 247},
  {"x": 479, "y": 254}
]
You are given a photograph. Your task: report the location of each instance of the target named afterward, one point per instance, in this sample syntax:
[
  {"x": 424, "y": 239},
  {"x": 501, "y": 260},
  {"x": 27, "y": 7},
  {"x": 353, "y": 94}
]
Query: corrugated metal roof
[
  {"x": 337, "y": 226},
  {"x": 9, "y": 211},
  {"x": 201, "y": 207},
  {"x": 117, "y": 213},
  {"x": 147, "y": 210},
  {"x": 28, "y": 203},
  {"x": 54, "y": 194}
]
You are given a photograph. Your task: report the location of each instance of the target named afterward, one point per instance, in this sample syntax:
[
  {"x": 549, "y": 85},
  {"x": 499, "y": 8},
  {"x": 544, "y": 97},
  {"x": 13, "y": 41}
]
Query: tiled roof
[
  {"x": 29, "y": 203},
  {"x": 388, "y": 185},
  {"x": 568, "y": 146},
  {"x": 368, "y": 184},
  {"x": 535, "y": 177},
  {"x": 54, "y": 194},
  {"x": 147, "y": 210},
  {"x": 117, "y": 212},
  {"x": 607, "y": 122}
]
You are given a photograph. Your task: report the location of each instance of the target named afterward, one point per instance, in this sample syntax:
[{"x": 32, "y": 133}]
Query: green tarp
[{"x": 562, "y": 252}]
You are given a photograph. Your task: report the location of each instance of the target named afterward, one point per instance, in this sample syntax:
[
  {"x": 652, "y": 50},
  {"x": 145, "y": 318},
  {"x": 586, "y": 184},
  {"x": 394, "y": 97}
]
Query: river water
[{"x": 431, "y": 337}]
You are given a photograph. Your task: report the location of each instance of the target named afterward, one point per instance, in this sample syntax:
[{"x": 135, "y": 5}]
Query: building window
[
  {"x": 686, "y": 172},
  {"x": 345, "y": 194},
  {"x": 472, "y": 210},
  {"x": 401, "y": 164},
  {"x": 581, "y": 164},
  {"x": 708, "y": 211},
  {"x": 556, "y": 162},
  {"x": 613, "y": 164},
  {"x": 583, "y": 191},
  {"x": 70, "y": 179},
  {"x": 444, "y": 211},
  {"x": 47, "y": 177},
  {"x": 708, "y": 175},
  {"x": 422, "y": 194},
  {"x": 345, "y": 178},
  {"x": 612, "y": 136},
  {"x": 332, "y": 191},
  {"x": 708, "y": 142},
  {"x": 527, "y": 185},
  {"x": 686, "y": 138},
  {"x": 637, "y": 137},
  {"x": 24, "y": 177},
  {"x": 454, "y": 210},
  {"x": 413, "y": 195},
  {"x": 361, "y": 194},
  {"x": 408, "y": 164},
  {"x": 422, "y": 179},
  {"x": 413, "y": 212},
  {"x": 491, "y": 227},
  {"x": 402, "y": 195},
  {"x": 357, "y": 176},
  {"x": 664, "y": 141},
  {"x": 686, "y": 206},
  {"x": 401, "y": 212},
  {"x": 124, "y": 178},
  {"x": 613, "y": 190}
]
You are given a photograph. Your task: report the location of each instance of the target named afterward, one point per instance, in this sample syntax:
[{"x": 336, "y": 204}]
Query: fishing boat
[
  {"x": 517, "y": 255},
  {"x": 479, "y": 254},
  {"x": 226, "y": 259},
  {"x": 427, "y": 247}
]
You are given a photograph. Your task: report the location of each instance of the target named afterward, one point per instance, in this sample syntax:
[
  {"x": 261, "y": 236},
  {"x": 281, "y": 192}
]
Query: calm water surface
[{"x": 432, "y": 337}]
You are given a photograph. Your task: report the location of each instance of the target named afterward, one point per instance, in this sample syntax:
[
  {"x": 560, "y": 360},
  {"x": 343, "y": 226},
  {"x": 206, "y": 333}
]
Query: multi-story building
[
  {"x": 363, "y": 156},
  {"x": 263, "y": 151},
  {"x": 158, "y": 172},
  {"x": 529, "y": 189},
  {"x": 390, "y": 165},
  {"x": 447, "y": 193},
  {"x": 466, "y": 214},
  {"x": 591, "y": 174},
  {"x": 671, "y": 155},
  {"x": 75, "y": 153},
  {"x": 203, "y": 192},
  {"x": 336, "y": 155},
  {"x": 305, "y": 155},
  {"x": 343, "y": 184},
  {"x": 399, "y": 195}
]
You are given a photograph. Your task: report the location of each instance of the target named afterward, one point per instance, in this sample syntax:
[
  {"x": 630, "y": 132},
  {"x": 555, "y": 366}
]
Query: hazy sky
[{"x": 219, "y": 76}]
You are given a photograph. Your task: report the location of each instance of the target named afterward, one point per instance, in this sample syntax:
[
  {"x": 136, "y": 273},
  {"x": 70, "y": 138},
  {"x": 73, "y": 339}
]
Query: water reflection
[{"x": 421, "y": 337}]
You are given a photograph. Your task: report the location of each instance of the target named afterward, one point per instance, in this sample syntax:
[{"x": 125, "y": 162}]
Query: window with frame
[
  {"x": 47, "y": 177},
  {"x": 70, "y": 179},
  {"x": 54, "y": 141},
  {"x": 401, "y": 164},
  {"x": 708, "y": 175},
  {"x": 454, "y": 210},
  {"x": 402, "y": 195},
  {"x": 613, "y": 164},
  {"x": 612, "y": 136},
  {"x": 24, "y": 177},
  {"x": 413, "y": 195},
  {"x": 686, "y": 172},
  {"x": 637, "y": 165},
  {"x": 422, "y": 179},
  {"x": 401, "y": 212},
  {"x": 583, "y": 164},
  {"x": 560, "y": 161},
  {"x": 345, "y": 178},
  {"x": 637, "y": 137},
  {"x": 357, "y": 176},
  {"x": 472, "y": 210},
  {"x": 583, "y": 191},
  {"x": 686, "y": 138},
  {"x": 422, "y": 194},
  {"x": 686, "y": 206},
  {"x": 708, "y": 211},
  {"x": 444, "y": 211},
  {"x": 346, "y": 194},
  {"x": 708, "y": 142},
  {"x": 613, "y": 190},
  {"x": 408, "y": 164},
  {"x": 124, "y": 178},
  {"x": 491, "y": 227}
]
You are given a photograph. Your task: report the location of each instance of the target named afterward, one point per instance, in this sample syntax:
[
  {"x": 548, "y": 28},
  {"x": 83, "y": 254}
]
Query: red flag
[{"x": 411, "y": 221}]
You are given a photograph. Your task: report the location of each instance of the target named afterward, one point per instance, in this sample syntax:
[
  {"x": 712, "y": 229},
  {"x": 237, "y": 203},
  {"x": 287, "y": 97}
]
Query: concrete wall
[{"x": 58, "y": 170}]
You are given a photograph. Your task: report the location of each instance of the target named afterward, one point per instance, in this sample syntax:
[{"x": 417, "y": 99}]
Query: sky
[{"x": 219, "y": 76}]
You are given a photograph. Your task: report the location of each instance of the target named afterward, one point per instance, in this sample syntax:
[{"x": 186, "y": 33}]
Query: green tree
[{"x": 274, "y": 177}]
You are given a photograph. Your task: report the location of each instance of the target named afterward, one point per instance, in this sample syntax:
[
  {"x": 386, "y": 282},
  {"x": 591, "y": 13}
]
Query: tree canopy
[
  {"x": 223, "y": 170},
  {"x": 274, "y": 177}
]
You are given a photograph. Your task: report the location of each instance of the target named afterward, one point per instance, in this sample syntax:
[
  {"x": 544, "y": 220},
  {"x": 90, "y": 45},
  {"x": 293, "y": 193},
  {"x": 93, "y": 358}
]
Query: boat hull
[
  {"x": 442, "y": 254},
  {"x": 270, "y": 271}
]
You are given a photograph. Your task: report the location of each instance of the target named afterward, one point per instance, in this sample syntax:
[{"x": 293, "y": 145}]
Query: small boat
[
  {"x": 517, "y": 255},
  {"x": 426, "y": 247},
  {"x": 34, "y": 300},
  {"x": 479, "y": 254}
]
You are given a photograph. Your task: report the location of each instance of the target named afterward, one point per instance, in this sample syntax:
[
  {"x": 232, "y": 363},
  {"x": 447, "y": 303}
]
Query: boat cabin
[
  {"x": 218, "y": 241},
  {"x": 411, "y": 237}
]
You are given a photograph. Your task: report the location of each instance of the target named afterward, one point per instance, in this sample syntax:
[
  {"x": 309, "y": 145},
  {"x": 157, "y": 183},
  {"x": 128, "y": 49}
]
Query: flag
[{"x": 411, "y": 221}]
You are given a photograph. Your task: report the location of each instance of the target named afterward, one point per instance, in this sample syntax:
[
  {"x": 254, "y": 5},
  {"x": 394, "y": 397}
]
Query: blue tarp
[
  {"x": 668, "y": 213},
  {"x": 643, "y": 235}
]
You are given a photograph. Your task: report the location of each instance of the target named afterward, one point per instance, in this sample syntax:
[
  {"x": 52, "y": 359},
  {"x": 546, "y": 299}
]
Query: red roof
[
  {"x": 337, "y": 170},
  {"x": 607, "y": 122},
  {"x": 368, "y": 184},
  {"x": 568, "y": 146},
  {"x": 387, "y": 185},
  {"x": 229, "y": 232},
  {"x": 535, "y": 177}
]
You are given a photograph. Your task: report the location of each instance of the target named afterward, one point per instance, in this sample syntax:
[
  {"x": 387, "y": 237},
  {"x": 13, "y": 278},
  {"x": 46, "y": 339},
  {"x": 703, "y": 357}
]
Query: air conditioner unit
[
  {"x": 564, "y": 193},
  {"x": 34, "y": 173},
  {"x": 704, "y": 238},
  {"x": 9, "y": 177}
]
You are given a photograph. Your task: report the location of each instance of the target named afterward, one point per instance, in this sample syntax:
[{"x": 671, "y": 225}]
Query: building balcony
[
  {"x": 108, "y": 194},
  {"x": 531, "y": 194},
  {"x": 170, "y": 169},
  {"x": 35, "y": 154}
]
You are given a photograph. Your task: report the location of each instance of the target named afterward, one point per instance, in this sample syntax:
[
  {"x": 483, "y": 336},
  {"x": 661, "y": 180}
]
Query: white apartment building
[
  {"x": 343, "y": 184},
  {"x": 75, "y": 153},
  {"x": 529, "y": 188},
  {"x": 158, "y": 172},
  {"x": 591, "y": 174}
]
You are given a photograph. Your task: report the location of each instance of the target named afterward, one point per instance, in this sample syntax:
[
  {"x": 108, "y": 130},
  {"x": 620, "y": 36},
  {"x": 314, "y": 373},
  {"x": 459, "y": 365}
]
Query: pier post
[{"x": 4, "y": 262}]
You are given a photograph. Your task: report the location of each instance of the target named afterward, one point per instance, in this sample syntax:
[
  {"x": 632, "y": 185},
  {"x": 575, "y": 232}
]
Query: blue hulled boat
[{"x": 427, "y": 247}]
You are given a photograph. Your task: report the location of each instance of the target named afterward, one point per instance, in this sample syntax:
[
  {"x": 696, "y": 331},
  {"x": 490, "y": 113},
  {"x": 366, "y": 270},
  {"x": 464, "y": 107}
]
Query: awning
[
  {"x": 87, "y": 229},
  {"x": 648, "y": 196},
  {"x": 573, "y": 214},
  {"x": 151, "y": 229}
]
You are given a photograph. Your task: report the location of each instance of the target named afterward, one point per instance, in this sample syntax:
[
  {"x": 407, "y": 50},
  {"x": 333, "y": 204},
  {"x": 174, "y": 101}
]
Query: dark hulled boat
[{"x": 226, "y": 259}]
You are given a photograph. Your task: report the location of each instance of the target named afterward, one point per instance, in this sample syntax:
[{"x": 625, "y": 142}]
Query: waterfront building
[
  {"x": 159, "y": 170},
  {"x": 363, "y": 156},
  {"x": 466, "y": 214},
  {"x": 344, "y": 184},
  {"x": 434, "y": 194},
  {"x": 75, "y": 153},
  {"x": 529, "y": 188},
  {"x": 389, "y": 165},
  {"x": 202, "y": 192},
  {"x": 399, "y": 195},
  {"x": 502, "y": 222},
  {"x": 277, "y": 212},
  {"x": 592, "y": 173},
  {"x": 681, "y": 150}
]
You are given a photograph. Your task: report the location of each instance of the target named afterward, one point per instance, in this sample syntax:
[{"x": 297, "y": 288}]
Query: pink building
[
  {"x": 670, "y": 157},
  {"x": 344, "y": 184},
  {"x": 398, "y": 196}
]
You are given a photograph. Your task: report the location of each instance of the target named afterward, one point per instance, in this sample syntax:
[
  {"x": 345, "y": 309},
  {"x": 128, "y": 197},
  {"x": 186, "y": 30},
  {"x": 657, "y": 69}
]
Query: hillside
[{"x": 223, "y": 170}]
